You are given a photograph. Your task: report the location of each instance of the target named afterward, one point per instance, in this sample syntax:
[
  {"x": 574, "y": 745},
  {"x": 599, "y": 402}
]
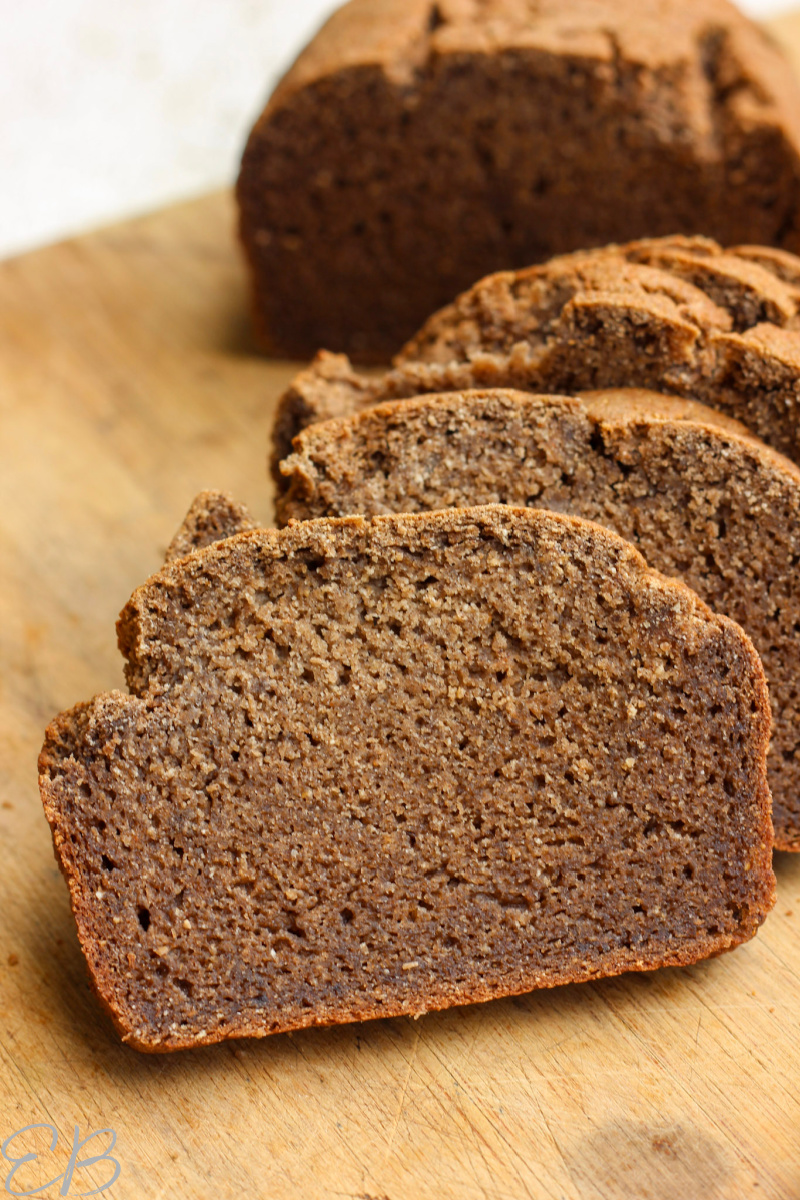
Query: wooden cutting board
[{"x": 128, "y": 383}]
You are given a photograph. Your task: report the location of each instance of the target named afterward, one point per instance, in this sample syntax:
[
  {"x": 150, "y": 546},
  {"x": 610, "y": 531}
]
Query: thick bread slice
[
  {"x": 372, "y": 767},
  {"x": 417, "y": 145},
  {"x": 677, "y": 315},
  {"x": 701, "y": 498}
]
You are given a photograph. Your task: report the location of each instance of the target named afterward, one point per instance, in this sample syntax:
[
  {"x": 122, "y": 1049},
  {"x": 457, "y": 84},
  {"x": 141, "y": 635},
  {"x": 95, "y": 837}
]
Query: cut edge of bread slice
[{"x": 101, "y": 736}]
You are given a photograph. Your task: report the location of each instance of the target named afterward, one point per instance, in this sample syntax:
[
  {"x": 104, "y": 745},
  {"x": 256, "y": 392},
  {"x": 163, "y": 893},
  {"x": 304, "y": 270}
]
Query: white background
[{"x": 112, "y": 107}]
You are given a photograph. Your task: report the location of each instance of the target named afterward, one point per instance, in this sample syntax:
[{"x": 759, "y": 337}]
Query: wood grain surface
[{"x": 127, "y": 383}]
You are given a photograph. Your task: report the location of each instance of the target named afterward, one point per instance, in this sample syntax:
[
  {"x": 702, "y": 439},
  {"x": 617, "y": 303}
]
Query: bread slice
[
  {"x": 372, "y": 767},
  {"x": 676, "y": 315},
  {"x": 701, "y": 498},
  {"x": 418, "y": 145}
]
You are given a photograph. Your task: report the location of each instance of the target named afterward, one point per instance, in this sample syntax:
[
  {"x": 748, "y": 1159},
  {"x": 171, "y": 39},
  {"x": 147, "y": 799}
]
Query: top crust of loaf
[
  {"x": 404, "y": 38},
  {"x": 678, "y": 315},
  {"x": 694, "y": 281},
  {"x": 623, "y": 406}
]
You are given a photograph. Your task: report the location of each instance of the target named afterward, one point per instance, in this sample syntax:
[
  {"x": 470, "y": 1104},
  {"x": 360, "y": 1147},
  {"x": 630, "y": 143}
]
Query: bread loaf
[{"x": 418, "y": 145}]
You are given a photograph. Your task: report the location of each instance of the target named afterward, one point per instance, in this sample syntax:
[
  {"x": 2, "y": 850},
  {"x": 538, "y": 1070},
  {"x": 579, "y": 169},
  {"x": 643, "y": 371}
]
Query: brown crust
[
  {"x": 675, "y": 315},
  {"x": 692, "y": 280},
  {"x": 610, "y": 407},
  {"x": 621, "y": 407},
  {"x": 75, "y": 736}
]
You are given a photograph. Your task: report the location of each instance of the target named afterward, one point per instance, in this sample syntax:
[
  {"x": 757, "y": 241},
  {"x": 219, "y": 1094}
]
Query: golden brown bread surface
[
  {"x": 675, "y": 315},
  {"x": 371, "y": 767},
  {"x": 416, "y": 146},
  {"x": 702, "y": 499}
]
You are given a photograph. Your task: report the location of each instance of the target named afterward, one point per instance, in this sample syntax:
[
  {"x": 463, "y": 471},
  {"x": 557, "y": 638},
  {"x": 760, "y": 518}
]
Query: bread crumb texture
[
  {"x": 371, "y": 767},
  {"x": 702, "y": 499},
  {"x": 213, "y": 516}
]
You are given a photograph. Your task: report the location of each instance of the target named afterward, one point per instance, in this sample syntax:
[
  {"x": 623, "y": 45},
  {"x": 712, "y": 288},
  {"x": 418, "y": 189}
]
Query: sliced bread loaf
[
  {"x": 700, "y": 497},
  {"x": 371, "y": 767},
  {"x": 417, "y": 145},
  {"x": 676, "y": 315}
]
